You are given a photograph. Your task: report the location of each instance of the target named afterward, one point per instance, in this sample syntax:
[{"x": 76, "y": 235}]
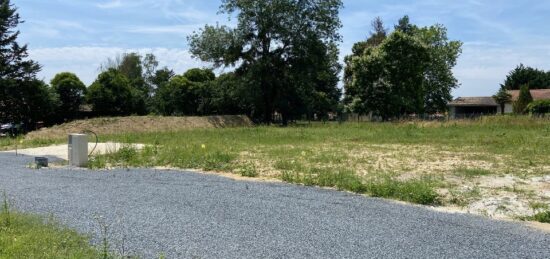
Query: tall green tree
[
  {"x": 439, "y": 80},
  {"x": 524, "y": 75},
  {"x": 230, "y": 96},
  {"x": 111, "y": 94},
  {"x": 378, "y": 34},
  {"x": 23, "y": 98},
  {"x": 71, "y": 93},
  {"x": 502, "y": 98},
  {"x": 202, "y": 90},
  {"x": 176, "y": 98},
  {"x": 410, "y": 72},
  {"x": 391, "y": 75},
  {"x": 524, "y": 99},
  {"x": 266, "y": 40}
]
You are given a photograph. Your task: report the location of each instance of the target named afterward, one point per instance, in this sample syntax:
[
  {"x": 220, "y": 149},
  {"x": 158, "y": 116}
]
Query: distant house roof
[
  {"x": 474, "y": 101},
  {"x": 538, "y": 94}
]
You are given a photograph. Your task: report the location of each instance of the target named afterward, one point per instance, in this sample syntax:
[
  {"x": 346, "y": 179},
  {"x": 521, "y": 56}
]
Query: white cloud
[{"x": 85, "y": 61}]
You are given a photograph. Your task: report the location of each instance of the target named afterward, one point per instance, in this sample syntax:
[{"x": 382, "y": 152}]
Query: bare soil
[{"x": 139, "y": 124}]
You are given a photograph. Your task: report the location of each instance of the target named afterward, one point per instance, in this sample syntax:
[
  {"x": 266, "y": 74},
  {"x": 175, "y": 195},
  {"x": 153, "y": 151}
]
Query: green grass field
[
  {"x": 455, "y": 163},
  {"x": 27, "y": 236}
]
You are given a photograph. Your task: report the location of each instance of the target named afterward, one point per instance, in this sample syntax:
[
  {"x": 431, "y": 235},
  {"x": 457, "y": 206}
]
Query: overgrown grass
[
  {"x": 420, "y": 191},
  {"x": 26, "y": 236},
  {"x": 543, "y": 217}
]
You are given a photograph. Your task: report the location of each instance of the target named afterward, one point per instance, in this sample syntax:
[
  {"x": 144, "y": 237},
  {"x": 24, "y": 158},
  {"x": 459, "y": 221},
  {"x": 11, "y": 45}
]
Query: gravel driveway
[{"x": 189, "y": 215}]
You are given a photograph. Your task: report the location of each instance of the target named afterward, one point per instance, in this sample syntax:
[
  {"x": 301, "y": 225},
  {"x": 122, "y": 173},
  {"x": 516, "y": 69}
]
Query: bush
[
  {"x": 524, "y": 99},
  {"x": 111, "y": 94},
  {"x": 539, "y": 107},
  {"x": 415, "y": 191},
  {"x": 543, "y": 217}
]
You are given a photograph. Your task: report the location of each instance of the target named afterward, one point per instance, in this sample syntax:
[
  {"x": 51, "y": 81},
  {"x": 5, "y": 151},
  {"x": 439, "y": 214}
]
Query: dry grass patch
[{"x": 139, "y": 124}]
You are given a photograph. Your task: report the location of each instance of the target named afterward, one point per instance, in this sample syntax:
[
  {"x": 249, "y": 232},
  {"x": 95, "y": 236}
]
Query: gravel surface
[{"x": 190, "y": 215}]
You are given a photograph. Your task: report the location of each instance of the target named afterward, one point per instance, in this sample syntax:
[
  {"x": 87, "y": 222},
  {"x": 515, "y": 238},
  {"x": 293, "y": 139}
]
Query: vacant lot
[{"x": 497, "y": 166}]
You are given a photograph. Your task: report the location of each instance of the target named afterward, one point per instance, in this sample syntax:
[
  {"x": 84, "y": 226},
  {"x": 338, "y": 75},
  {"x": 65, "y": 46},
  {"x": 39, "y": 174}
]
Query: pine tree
[
  {"x": 523, "y": 101},
  {"x": 13, "y": 57},
  {"x": 23, "y": 98}
]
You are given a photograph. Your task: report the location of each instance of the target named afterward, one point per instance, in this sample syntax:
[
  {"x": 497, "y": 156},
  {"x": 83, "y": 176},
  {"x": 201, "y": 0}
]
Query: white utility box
[{"x": 78, "y": 150}]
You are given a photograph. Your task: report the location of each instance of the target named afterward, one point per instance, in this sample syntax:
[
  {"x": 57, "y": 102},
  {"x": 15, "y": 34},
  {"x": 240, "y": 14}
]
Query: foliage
[
  {"x": 524, "y": 99},
  {"x": 539, "y": 107},
  {"x": 28, "y": 101},
  {"x": 522, "y": 75},
  {"x": 198, "y": 75},
  {"x": 229, "y": 96},
  {"x": 377, "y": 36},
  {"x": 161, "y": 76},
  {"x": 23, "y": 98},
  {"x": 502, "y": 98},
  {"x": 71, "y": 93},
  {"x": 269, "y": 38},
  {"x": 543, "y": 217},
  {"x": 410, "y": 71},
  {"x": 13, "y": 61},
  {"x": 143, "y": 77},
  {"x": 111, "y": 94},
  {"x": 389, "y": 80},
  {"x": 177, "y": 97}
]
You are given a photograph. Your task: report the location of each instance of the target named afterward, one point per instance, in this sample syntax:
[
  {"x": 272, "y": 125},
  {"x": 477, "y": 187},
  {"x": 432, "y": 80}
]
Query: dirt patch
[
  {"x": 482, "y": 183},
  {"x": 139, "y": 124}
]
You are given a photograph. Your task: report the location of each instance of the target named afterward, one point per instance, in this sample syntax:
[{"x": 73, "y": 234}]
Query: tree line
[{"x": 284, "y": 60}]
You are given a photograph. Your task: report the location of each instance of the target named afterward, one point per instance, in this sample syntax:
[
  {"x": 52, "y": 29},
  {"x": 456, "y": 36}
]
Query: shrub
[
  {"x": 524, "y": 99},
  {"x": 539, "y": 107},
  {"x": 543, "y": 217},
  {"x": 249, "y": 170}
]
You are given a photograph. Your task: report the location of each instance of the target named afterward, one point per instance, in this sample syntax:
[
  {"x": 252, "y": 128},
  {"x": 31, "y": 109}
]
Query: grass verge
[
  {"x": 27, "y": 236},
  {"x": 420, "y": 191}
]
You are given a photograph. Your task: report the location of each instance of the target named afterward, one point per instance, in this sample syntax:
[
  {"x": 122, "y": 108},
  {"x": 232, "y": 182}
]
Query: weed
[
  {"x": 415, "y": 191},
  {"x": 104, "y": 231},
  {"x": 543, "y": 217},
  {"x": 249, "y": 170},
  {"x": 538, "y": 206},
  {"x": 6, "y": 211}
]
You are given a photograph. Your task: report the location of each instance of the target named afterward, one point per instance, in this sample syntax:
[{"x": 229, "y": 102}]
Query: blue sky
[{"x": 78, "y": 35}]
